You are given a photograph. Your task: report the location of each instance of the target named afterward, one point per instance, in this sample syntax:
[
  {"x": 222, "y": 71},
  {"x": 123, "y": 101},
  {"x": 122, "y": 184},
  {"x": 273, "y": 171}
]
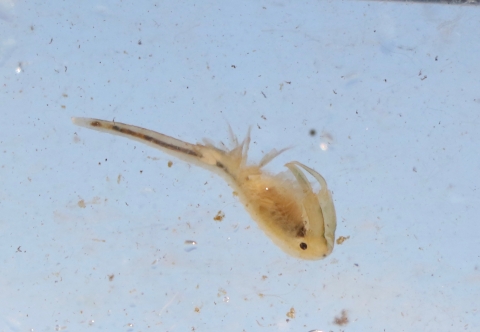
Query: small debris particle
[
  {"x": 313, "y": 132},
  {"x": 342, "y": 320},
  {"x": 291, "y": 313},
  {"x": 81, "y": 203},
  {"x": 111, "y": 277},
  {"x": 219, "y": 217},
  {"x": 170, "y": 163},
  {"x": 342, "y": 239}
]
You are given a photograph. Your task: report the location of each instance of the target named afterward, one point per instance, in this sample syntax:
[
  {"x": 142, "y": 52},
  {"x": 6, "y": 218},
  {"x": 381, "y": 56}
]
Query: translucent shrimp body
[{"x": 298, "y": 220}]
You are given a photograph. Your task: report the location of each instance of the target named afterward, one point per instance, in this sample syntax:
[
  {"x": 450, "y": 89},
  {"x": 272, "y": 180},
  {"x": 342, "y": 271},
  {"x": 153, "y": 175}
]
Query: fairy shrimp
[{"x": 298, "y": 220}]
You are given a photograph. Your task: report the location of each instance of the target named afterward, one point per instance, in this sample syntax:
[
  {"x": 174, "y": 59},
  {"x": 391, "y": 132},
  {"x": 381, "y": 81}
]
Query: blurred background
[{"x": 100, "y": 233}]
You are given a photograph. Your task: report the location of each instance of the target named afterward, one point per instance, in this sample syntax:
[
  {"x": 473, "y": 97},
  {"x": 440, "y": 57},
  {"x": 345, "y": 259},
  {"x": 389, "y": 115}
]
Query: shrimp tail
[
  {"x": 206, "y": 156},
  {"x": 226, "y": 163}
]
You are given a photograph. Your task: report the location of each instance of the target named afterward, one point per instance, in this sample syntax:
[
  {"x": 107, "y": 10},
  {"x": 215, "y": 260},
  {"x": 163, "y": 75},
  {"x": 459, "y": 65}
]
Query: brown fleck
[
  {"x": 119, "y": 178},
  {"x": 221, "y": 292},
  {"x": 81, "y": 203},
  {"x": 219, "y": 217},
  {"x": 327, "y": 136},
  {"x": 170, "y": 163},
  {"x": 110, "y": 277},
  {"x": 342, "y": 239},
  {"x": 291, "y": 313},
  {"x": 197, "y": 309},
  {"x": 342, "y": 320}
]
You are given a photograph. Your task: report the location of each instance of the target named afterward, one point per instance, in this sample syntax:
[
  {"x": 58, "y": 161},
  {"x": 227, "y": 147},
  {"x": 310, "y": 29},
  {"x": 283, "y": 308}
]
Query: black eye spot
[{"x": 303, "y": 246}]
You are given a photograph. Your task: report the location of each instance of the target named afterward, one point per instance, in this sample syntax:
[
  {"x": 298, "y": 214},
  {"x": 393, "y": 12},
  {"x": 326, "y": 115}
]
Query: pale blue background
[{"x": 393, "y": 89}]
